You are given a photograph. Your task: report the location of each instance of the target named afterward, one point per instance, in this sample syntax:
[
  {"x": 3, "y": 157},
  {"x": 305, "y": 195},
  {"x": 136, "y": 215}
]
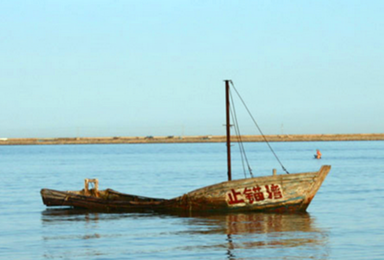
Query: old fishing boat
[{"x": 274, "y": 193}]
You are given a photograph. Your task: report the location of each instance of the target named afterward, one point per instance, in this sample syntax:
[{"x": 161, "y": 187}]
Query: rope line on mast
[
  {"x": 261, "y": 132},
  {"x": 239, "y": 140},
  {"x": 241, "y": 152}
]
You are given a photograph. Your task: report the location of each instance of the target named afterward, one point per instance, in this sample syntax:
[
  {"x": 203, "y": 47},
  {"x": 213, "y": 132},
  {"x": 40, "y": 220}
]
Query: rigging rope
[
  {"x": 261, "y": 132},
  {"x": 238, "y": 134},
  {"x": 241, "y": 151}
]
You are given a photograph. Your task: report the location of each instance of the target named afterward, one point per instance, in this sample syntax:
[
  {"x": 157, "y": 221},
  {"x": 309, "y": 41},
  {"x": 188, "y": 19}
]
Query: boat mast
[{"x": 228, "y": 126}]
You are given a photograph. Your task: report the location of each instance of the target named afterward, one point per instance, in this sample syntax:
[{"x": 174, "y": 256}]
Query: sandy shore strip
[{"x": 190, "y": 139}]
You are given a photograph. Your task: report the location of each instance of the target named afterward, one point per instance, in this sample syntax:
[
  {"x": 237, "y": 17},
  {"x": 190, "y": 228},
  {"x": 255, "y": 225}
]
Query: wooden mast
[{"x": 228, "y": 126}]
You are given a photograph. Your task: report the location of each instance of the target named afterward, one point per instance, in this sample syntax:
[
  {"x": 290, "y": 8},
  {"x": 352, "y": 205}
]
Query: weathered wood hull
[
  {"x": 278, "y": 193},
  {"x": 106, "y": 200}
]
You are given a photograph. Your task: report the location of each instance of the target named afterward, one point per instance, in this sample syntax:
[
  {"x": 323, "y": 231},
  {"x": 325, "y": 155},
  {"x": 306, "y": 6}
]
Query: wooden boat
[{"x": 274, "y": 193}]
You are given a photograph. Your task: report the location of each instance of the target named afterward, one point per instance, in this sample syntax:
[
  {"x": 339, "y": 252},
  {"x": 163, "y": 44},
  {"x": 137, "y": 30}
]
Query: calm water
[{"x": 344, "y": 221}]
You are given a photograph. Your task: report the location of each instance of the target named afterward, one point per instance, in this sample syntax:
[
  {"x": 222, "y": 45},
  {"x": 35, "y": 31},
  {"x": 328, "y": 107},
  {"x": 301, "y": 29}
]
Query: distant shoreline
[{"x": 190, "y": 139}]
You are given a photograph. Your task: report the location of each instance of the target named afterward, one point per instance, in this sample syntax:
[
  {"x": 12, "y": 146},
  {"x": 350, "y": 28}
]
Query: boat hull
[
  {"x": 279, "y": 193},
  {"x": 106, "y": 200}
]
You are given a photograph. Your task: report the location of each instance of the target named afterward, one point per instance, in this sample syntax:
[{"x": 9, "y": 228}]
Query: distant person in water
[{"x": 318, "y": 154}]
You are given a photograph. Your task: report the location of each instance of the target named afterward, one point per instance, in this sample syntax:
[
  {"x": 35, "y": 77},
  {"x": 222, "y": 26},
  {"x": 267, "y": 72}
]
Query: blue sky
[{"x": 138, "y": 68}]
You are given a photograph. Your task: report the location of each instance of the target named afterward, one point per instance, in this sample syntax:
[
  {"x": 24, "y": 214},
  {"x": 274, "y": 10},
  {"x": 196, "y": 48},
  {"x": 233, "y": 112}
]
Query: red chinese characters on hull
[
  {"x": 274, "y": 192},
  {"x": 254, "y": 195},
  {"x": 233, "y": 199}
]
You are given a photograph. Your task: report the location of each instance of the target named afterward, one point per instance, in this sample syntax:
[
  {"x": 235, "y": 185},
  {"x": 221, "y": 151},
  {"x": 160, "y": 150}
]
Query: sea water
[{"x": 344, "y": 221}]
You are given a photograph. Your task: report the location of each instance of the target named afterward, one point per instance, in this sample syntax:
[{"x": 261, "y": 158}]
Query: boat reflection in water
[
  {"x": 237, "y": 235},
  {"x": 266, "y": 232}
]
